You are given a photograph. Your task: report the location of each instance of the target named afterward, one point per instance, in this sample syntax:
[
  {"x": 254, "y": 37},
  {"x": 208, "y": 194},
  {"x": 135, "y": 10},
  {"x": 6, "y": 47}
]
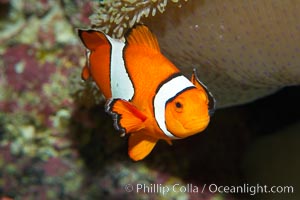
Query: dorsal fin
[{"x": 141, "y": 35}]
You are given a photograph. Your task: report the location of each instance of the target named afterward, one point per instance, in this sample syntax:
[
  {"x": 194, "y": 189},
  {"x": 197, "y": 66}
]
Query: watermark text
[{"x": 207, "y": 188}]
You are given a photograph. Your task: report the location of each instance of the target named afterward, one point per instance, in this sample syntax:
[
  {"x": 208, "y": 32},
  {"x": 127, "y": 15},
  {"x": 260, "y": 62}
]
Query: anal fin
[{"x": 140, "y": 145}]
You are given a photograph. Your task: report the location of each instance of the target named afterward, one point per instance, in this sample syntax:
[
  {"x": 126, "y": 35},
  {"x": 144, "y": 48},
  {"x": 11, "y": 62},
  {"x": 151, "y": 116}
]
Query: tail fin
[{"x": 92, "y": 38}]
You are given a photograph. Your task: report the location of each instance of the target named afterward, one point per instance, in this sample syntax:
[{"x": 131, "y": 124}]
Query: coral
[
  {"x": 37, "y": 161},
  {"x": 78, "y": 12},
  {"x": 19, "y": 73}
]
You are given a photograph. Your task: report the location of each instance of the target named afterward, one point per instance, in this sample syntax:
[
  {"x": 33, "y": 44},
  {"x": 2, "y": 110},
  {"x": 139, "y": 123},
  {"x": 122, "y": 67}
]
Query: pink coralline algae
[
  {"x": 78, "y": 11},
  {"x": 23, "y": 70},
  {"x": 55, "y": 167},
  {"x": 30, "y": 80}
]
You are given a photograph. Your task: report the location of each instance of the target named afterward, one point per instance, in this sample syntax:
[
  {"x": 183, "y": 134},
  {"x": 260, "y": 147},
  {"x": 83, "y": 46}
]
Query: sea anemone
[{"x": 114, "y": 17}]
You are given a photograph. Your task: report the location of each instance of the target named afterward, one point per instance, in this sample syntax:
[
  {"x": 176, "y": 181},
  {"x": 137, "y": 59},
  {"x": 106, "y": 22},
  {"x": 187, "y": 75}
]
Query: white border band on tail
[{"x": 168, "y": 91}]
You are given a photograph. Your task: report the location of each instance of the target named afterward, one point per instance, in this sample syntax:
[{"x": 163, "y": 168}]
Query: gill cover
[{"x": 211, "y": 100}]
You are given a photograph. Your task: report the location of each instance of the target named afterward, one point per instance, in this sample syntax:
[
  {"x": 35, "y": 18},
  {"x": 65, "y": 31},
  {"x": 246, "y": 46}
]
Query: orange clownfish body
[{"x": 147, "y": 95}]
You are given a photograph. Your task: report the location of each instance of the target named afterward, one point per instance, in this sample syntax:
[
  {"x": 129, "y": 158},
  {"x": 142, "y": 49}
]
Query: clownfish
[{"x": 146, "y": 94}]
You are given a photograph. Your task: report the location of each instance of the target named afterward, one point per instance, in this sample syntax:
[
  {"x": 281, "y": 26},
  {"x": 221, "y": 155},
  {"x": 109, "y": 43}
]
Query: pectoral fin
[
  {"x": 127, "y": 117},
  {"x": 140, "y": 145},
  {"x": 169, "y": 142},
  {"x": 85, "y": 74}
]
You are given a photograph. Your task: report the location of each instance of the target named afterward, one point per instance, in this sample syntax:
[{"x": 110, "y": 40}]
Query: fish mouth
[
  {"x": 193, "y": 127},
  {"x": 196, "y": 124}
]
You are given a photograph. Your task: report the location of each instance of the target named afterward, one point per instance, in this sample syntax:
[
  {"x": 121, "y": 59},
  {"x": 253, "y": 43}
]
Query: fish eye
[
  {"x": 178, "y": 107},
  {"x": 178, "y": 104}
]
